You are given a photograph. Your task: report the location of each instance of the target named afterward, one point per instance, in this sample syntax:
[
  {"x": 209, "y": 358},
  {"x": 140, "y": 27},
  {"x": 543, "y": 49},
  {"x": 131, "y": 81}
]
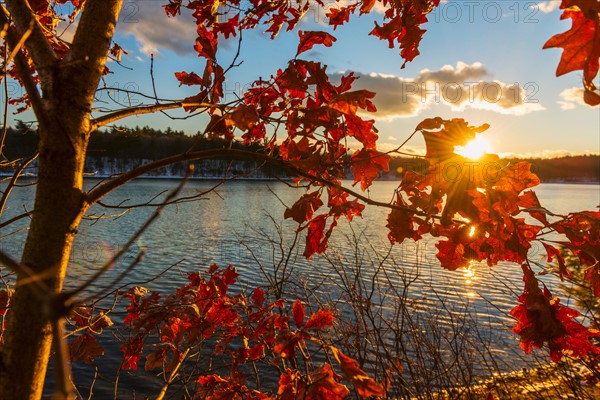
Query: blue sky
[{"x": 480, "y": 60}]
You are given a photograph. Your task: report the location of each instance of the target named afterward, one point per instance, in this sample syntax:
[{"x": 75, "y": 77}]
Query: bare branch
[
  {"x": 64, "y": 388},
  {"x": 129, "y": 112},
  {"x": 39, "y": 287},
  {"x": 16, "y": 218},
  {"x": 38, "y": 45},
  {"x": 131, "y": 241},
  {"x": 23, "y": 68},
  {"x": 13, "y": 181}
]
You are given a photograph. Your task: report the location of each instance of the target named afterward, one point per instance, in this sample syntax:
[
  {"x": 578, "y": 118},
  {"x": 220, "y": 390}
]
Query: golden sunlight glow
[
  {"x": 474, "y": 149},
  {"x": 472, "y": 231},
  {"x": 469, "y": 272}
]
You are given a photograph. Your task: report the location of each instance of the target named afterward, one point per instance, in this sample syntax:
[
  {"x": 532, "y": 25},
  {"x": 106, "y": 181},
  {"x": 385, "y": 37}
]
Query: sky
[{"x": 480, "y": 60}]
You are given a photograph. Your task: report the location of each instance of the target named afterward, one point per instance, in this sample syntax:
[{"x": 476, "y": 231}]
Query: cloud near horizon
[
  {"x": 571, "y": 98},
  {"x": 460, "y": 88},
  {"x": 548, "y": 6}
]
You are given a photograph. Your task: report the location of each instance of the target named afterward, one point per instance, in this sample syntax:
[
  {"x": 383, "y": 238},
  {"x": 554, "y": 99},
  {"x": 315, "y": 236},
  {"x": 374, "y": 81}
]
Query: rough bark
[{"x": 68, "y": 88}]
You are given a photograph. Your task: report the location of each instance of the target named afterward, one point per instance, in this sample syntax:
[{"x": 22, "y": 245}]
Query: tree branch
[
  {"x": 37, "y": 44},
  {"x": 129, "y": 112},
  {"x": 96, "y": 194},
  {"x": 23, "y": 68},
  {"x": 13, "y": 181}
]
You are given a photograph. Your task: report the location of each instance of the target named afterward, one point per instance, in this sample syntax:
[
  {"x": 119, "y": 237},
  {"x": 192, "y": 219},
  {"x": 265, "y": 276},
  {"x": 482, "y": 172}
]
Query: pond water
[{"x": 237, "y": 223}]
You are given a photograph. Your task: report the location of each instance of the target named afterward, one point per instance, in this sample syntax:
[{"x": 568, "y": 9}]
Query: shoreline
[{"x": 262, "y": 179}]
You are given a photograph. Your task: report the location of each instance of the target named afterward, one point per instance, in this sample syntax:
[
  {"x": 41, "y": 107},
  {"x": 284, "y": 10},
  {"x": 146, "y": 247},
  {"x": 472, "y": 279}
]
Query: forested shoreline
[{"x": 119, "y": 149}]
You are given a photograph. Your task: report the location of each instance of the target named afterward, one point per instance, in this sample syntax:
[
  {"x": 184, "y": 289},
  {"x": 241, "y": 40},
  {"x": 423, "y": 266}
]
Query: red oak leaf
[
  {"x": 188, "y": 79},
  {"x": 541, "y": 319},
  {"x": 309, "y": 38},
  {"x": 320, "y": 320},
  {"x": 580, "y": 44},
  {"x": 258, "y": 297},
  {"x": 298, "y": 313},
  {"x": 324, "y": 386},
  {"x": 315, "y": 236},
  {"x": 303, "y": 209},
  {"x": 339, "y": 16},
  {"x": 364, "y": 385},
  {"x": 206, "y": 43},
  {"x": 366, "y": 166},
  {"x": 85, "y": 348}
]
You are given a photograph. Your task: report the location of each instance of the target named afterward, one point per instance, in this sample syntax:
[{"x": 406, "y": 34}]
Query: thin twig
[{"x": 132, "y": 240}]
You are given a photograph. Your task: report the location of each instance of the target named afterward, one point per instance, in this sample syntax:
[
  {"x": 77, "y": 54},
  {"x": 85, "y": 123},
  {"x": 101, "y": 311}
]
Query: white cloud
[
  {"x": 571, "y": 97},
  {"x": 154, "y": 31},
  {"x": 460, "y": 88},
  {"x": 547, "y": 6}
]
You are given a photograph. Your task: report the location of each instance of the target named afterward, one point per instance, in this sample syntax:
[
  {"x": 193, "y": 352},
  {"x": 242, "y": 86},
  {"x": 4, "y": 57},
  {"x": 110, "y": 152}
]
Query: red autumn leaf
[
  {"x": 324, "y": 386},
  {"x": 258, "y": 297},
  {"x": 339, "y": 16},
  {"x": 244, "y": 116},
  {"x": 367, "y": 6},
  {"x": 287, "y": 347},
  {"x": 5, "y": 295},
  {"x": 430, "y": 124},
  {"x": 541, "y": 319},
  {"x": 81, "y": 316},
  {"x": 290, "y": 385},
  {"x": 206, "y": 43},
  {"x": 85, "y": 348},
  {"x": 592, "y": 275},
  {"x": 155, "y": 360},
  {"x": 173, "y": 8},
  {"x": 529, "y": 200},
  {"x": 117, "y": 51},
  {"x": 553, "y": 252},
  {"x": 451, "y": 254},
  {"x": 100, "y": 322},
  {"x": 188, "y": 79},
  {"x": 310, "y": 38},
  {"x": 362, "y": 130},
  {"x": 364, "y": 385},
  {"x": 298, "y": 313},
  {"x": 303, "y": 209},
  {"x": 349, "y": 102},
  {"x": 400, "y": 223},
  {"x": 131, "y": 352},
  {"x": 315, "y": 236},
  {"x": 366, "y": 166},
  {"x": 516, "y": 178},
  {"x": 256, "y": 352},
  {"x": 320, "y": 320},
  {"x": 580, "y": 45}
]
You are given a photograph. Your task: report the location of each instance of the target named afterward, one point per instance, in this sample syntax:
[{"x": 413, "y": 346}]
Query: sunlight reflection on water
[{"x": 234, "y": 226}]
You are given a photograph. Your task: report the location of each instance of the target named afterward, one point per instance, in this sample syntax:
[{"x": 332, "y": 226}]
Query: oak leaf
[{"x": 310, "y": 38}]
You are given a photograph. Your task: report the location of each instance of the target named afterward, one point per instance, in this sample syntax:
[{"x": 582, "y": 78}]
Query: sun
[{"x": 474, "y": 149}]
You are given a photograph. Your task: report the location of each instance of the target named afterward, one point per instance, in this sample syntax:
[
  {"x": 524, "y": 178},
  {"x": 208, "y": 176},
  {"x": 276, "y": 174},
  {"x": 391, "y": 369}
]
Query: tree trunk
[
  {"x": 58, "y": 207},
  {"x": 68, "y": 87}
]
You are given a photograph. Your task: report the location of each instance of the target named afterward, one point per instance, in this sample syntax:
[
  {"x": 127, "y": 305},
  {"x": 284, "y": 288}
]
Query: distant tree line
[{"x": 121, "y": 148}]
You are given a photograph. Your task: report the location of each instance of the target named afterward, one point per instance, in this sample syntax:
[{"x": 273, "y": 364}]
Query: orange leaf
[
  {"x": 310, "y": 38},
  {"x": 578, "y": 45},
  {"x": 319, "y": 320},
  {"x": 364, "y": 385},
  {"x": 298, "y": 313}
]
